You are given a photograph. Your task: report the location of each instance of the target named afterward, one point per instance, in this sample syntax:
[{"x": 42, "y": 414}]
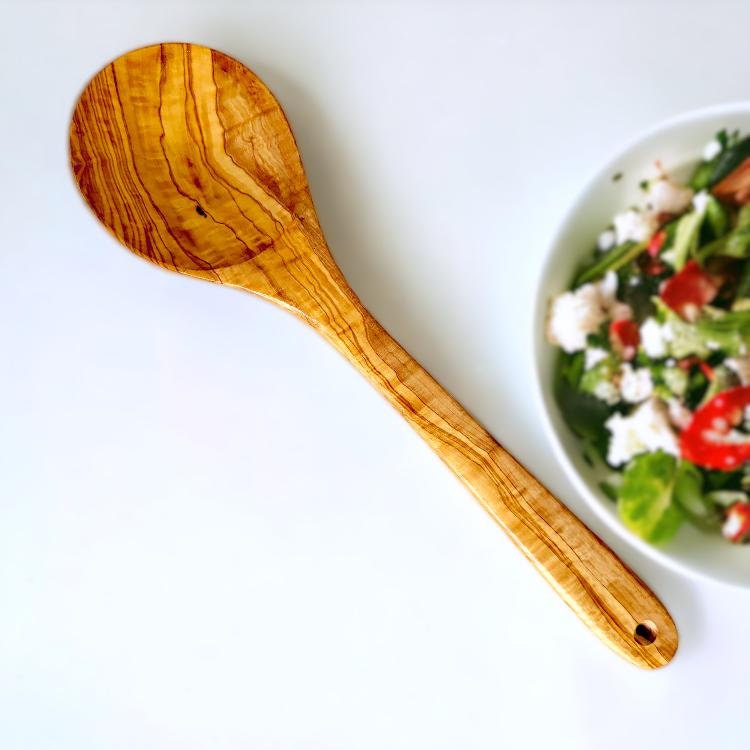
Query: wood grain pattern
[{"x": 187, "y": 158}]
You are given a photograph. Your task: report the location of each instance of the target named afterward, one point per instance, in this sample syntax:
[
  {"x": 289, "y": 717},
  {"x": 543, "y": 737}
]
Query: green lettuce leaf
[
  {"x": 601, "y": 373},
  {"x": 699, "y": 509},
  {"x": 645, "y": 501},
  {"x": 717, "y": 217},
  {"x": 729, "y": 331},
  {"x": 735, "y": 244},
  {"x": 686, "y": 238},
  {"x": 686, "y": 338}
]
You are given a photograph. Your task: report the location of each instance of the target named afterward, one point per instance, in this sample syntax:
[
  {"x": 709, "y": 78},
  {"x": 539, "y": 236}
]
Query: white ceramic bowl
[{"x": 677, "y": 143}]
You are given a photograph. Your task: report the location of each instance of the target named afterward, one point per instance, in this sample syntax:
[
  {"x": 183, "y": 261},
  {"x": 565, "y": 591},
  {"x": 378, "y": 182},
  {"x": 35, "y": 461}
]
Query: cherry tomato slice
[
  {"x": 706, "y": 440},
  {"x": 688, "y": 290},
  {"x": 625, "y": 337}
]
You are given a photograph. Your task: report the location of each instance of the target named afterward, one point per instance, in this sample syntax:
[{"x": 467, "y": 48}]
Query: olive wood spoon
[{"x": 187, "y": 158}]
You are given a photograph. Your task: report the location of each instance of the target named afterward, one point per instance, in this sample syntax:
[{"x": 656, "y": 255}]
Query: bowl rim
[{"x": 603, "y": 171}]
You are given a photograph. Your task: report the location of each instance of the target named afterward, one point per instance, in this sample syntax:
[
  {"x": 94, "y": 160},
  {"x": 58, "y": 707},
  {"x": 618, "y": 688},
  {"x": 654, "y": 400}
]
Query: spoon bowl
[
  {"x": 187, "y": 158},
  {"x": 202, "y": 190}
]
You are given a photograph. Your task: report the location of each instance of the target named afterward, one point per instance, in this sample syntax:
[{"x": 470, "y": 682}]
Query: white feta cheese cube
[
  {"x": 635, "y": 385},
  {"x": 606, "y": 240},
  {"x": 634, "y": 225},
  {"x": 653, "y": 338},
  {"x": 647, "y": 429},
  {"x": 666, "y": 196},
  {"x": 700, "y": 201},
  {"x": 574, "y": 315},
  {"x": 711, "y": 150}
]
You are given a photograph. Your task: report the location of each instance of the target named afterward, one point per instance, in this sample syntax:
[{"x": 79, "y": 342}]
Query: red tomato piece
[
  {"x": 656, "y": 243},
  {"x": 706, "y": 440},
  {"x": 625, "y": 337},
  {"x": 707, "y": 370},
  {"x": 688, "y": 290}
]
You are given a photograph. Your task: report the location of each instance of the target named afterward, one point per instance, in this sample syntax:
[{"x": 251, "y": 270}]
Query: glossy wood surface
[{"x": 187, "y": 158}]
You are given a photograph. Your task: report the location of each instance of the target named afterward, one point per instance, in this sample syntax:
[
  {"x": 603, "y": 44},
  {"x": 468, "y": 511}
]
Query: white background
[{"x": 213, "y": 533}]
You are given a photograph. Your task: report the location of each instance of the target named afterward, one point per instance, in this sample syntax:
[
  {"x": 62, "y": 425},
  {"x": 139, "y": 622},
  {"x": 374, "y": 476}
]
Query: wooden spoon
[{"x": 187, "y": 158}]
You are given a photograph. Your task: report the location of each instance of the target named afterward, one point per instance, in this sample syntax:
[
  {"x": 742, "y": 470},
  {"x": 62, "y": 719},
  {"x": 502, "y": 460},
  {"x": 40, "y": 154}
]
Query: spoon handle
[{"x": 610, "y": 599}]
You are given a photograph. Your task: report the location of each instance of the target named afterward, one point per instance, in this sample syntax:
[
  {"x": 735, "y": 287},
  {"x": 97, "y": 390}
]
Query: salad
[{"x": 653, "y": 372}]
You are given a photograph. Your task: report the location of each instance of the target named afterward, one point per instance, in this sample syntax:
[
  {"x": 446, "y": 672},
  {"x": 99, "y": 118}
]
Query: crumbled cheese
[
  {"x": 711, "y": 150},
  {"x": 646, "y": 429},
  {"x": 700, "y": 201},
  {"x": 679, "y": 415},
  {"x": 574, "y": 315},
  {"x": 592, "y": 356},
  {"x": 635, "y": 385},
  {"x": 607, "y": 392},
  {"x": 740, "y": 366},
  {"x": 712, "y": 345},
  {"x": 634, "y": 225},
  {"x": 607, "y": 240},
  {"x": 654, "y": 338},
  {"x": 665, "y": 196}
]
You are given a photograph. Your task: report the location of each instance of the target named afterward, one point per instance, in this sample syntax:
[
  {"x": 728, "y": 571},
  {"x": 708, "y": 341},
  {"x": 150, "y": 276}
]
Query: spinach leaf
[
  {"x": 638, "y": 290},
  {"x": 645, "y": 501},
  {"x": 716, "y": 217},
  {"x": 723, "y": 480},
  {"x": 689, "y": 496},
  {"x": 727, "y": 161},
  {"x": 734, "y": 244},
  {"x": 616, "y": 258},
  {"x": 743, "y": 283},
  {"x": 583, "y": 413},
  {"x": 570, "y": 368},
  {"x": 686, "y": 238},
  {"x": 696, "y": 387},
  {"x": 701, "y": 177}
]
